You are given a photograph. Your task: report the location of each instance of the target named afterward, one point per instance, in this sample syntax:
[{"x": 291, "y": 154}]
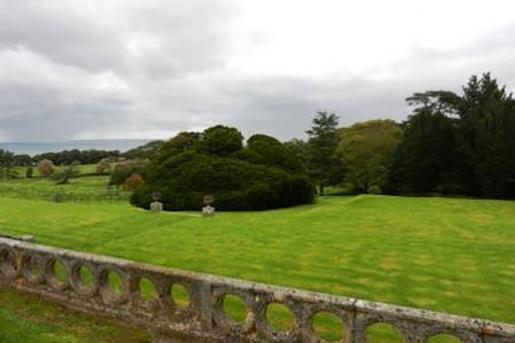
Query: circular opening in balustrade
[
  {"x": 34, "y": 269},
  {"x": 7, "y": 261},
  {"x": 235, "y": 308},
  {"x": 115, "y": 283},
  {"x": 83, "y": 279},
  {"x": 444, "y": 338},
  {"x": 56, "y": 273},
  {"x": 328, "y": 327},
  {"x": 60, "y": 271},
  {"x": 279, "y": 318},
  {"x": 147, "y": 290},
  {"x": 180, "y": 295},
  {"x": 383, "y": 332},
  {"x": 112, "y": 285},
  {"x": 86, "y": 277}
]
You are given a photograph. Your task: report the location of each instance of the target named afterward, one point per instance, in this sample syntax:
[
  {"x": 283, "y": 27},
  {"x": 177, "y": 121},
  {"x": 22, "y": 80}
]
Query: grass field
[
  {"x": 451, "y": 255},
  {"x": 29, "y": 320}
]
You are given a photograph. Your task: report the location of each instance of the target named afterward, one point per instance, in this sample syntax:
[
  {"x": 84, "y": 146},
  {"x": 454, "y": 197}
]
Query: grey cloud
[{"x": 70, "y": 69}]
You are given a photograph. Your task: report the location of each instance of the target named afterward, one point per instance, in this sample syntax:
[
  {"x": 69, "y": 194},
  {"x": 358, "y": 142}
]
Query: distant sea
[{"x": 100, "y": 144}]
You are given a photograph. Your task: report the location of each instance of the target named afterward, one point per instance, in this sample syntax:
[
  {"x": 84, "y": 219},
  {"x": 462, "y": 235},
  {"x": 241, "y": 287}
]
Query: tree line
[
  {"x": 451, "y": 143},
  {"x": 456, "y": 144}
]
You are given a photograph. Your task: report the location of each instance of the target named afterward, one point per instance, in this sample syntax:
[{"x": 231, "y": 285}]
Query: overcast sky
[{"x": 76, "y": 69}]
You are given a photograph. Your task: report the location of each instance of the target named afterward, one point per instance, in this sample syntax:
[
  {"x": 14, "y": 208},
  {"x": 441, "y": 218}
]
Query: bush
[
  {"x": 374, "y": 189},
  {"x": 123, "y": 170},
  {"x": 133, "y": 182},
  {"x": 239, "y": 179},
  {"x": 46, "y": 168},
  {"x": 29, "y": 173},
  {"x": 104, "y": 166},
  {"x": 260, "y": 196}
]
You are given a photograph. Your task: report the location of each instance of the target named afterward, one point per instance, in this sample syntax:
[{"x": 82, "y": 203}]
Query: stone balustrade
[{"x": 34, "y": 268}]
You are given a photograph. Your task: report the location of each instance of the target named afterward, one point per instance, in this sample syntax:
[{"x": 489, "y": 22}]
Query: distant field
[
  {"x": 82, "y": 189},
  {"x": 87, "y": 188}
]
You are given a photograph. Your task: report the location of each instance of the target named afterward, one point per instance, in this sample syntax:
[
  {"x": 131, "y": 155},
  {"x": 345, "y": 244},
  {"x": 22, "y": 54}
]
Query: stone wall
[{"x": 33, "y": 268}]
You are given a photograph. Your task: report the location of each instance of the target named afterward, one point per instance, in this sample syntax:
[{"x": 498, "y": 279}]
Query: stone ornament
[
  {"x": 208, "y": 210},
  {"x": 156, "y": 205}
]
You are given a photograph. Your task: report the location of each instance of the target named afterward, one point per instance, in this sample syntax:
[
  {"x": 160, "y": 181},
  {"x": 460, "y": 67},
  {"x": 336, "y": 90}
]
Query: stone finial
[
  {"x": 208, "y": 210},
  {"x": 156, "y": 205}
]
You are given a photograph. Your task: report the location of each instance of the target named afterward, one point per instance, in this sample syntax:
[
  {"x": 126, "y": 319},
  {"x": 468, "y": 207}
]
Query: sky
[{"x": 96, "y": 69}]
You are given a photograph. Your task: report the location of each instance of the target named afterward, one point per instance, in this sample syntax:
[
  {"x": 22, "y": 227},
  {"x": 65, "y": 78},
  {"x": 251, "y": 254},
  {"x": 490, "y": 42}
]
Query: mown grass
[
  {"x": 27, "y": 319},
  {"x": 451, "y": 255}
]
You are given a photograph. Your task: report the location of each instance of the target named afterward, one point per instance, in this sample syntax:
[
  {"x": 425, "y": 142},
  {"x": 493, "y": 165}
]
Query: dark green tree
[
  {"x": 259, "y": 176},
  {"x": 486, "y": 132},
  {"x": 324, "y": 165},
  {"x": 29, "y": 172},
  {"x": 425, "y": 153},
  {"x": 63, "y": 176},
  {"x": 221, "y": 140},
  {"x": 267, "y": 150},
  {"x": 7, "y": 163}
]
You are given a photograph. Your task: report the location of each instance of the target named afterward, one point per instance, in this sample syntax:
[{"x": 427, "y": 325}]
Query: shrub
[
  {"x": 104, "y": 166},
  {"x": 191, "y": 165},
  {"x": 123, "y": 170},
  {"x": 133, "y": 182},
  {"x": 64, "y": 176},
  {"x": 184, "y": 179},
  {"x": 29, "y": 173},
  {"x": 46, "y": 168},
  {"x": 374, "y": 189},
  {"x": 260, "y": 196}
]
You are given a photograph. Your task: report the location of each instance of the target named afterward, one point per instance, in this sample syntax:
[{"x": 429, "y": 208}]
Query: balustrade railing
[{"x": 62, "y": 275}]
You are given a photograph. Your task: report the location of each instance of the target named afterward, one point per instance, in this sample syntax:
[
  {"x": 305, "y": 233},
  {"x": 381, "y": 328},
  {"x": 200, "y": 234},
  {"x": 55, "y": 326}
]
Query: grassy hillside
[{"x": 449, "y": 255}]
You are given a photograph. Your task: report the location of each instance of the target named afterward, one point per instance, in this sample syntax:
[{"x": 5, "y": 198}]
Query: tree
[
  {"x": 467, "y": 141},
  {"x": 299, "y": 149},
  {"x": 22, "y": 160},
  {"x": 366, "y": 151},
  {"x": 133, "y": 182},
  {"x": 324, "y": 165},
  {"x": 123, "y": 170},
  {"x": 267, "y": 150},
  {"x": 29, "y": 172},
  {"x": 63, "y": 177},
  {"x": 425, "y": 153},
  {"x": 145, "y": 151},
  {"x": 46, "y": 168},
  {"x": 7, "y": 170},
  {"x": 486, "y": 133},
  {"x": 221, "y": 140},
  {"x": 258, "y": 176},
  {"x": 104, "y": 166}
]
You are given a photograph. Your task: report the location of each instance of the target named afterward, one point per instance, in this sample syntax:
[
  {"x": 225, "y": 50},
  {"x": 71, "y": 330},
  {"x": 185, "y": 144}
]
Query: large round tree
[{"x": 259, "y": 176}]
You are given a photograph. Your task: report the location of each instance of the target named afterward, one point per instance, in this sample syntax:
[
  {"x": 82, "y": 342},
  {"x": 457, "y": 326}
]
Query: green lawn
[
  {"x": 451, "y": 255},
  {"x": 27, "y": 319}
]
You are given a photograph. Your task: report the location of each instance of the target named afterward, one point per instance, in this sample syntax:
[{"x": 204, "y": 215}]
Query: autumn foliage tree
[
  {"x": 46, "y": 168},
  {"x": 133, "y": 182}
]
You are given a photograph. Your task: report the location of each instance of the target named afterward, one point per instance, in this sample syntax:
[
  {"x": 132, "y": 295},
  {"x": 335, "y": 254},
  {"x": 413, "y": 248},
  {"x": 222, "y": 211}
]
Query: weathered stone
[
  {"x": 156, "y": 206},
  {"x": 29, "y": 267},
  {"x": 208, "y": 211}
]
